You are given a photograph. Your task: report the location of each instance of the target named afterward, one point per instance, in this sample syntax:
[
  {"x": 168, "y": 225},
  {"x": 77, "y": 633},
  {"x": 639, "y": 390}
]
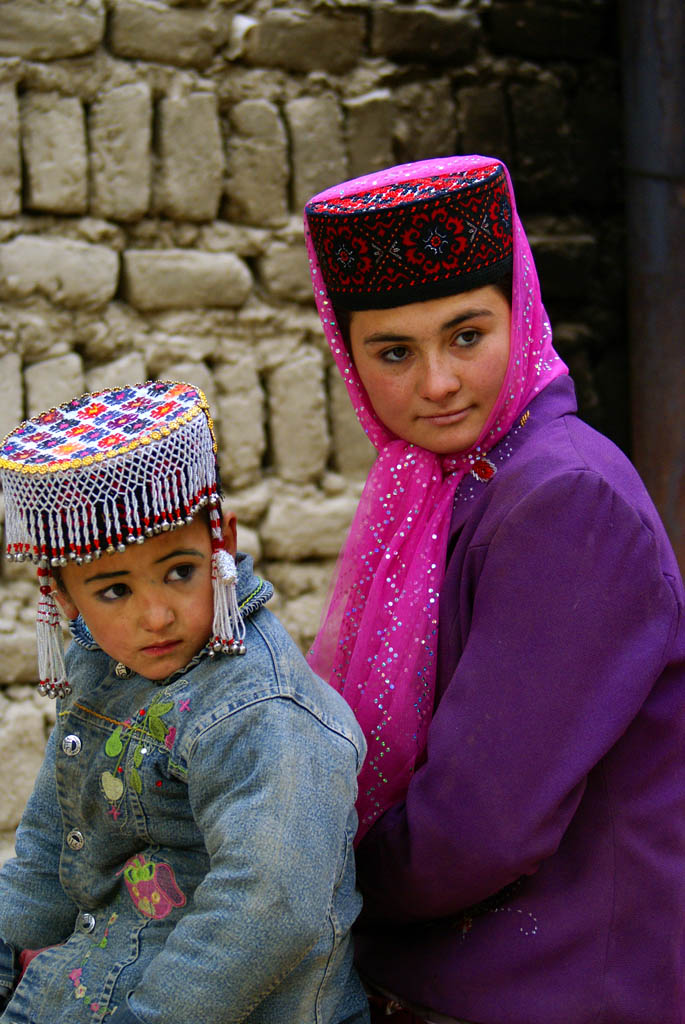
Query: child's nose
[{"x": 156, "y": 614}]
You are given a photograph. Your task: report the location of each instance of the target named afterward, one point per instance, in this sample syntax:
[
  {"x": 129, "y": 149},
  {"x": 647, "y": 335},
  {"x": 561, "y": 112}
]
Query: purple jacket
[{"x": 535, "y": 873}]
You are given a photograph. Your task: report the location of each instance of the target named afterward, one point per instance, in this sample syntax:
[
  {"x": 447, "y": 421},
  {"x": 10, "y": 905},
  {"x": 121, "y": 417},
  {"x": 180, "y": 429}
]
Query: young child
[{"x": 186, "y": 852}]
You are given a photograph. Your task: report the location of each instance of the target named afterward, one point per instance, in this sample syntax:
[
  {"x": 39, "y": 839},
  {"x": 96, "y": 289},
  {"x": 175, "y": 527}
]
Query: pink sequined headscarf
[{"x": 377, "y": 643}]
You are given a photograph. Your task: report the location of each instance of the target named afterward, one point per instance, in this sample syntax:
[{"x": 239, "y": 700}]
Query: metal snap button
[
  {"x": 71, "y": 745},
  {"x": 75, "y": 840},
  {"x": 86, "y": 923}
]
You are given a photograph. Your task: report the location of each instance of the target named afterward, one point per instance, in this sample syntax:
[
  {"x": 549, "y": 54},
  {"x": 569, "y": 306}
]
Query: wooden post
[{"x": 653, "y": 44}]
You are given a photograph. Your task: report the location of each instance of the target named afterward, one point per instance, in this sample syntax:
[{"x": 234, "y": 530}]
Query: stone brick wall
[{"x": 154, "y": 160}]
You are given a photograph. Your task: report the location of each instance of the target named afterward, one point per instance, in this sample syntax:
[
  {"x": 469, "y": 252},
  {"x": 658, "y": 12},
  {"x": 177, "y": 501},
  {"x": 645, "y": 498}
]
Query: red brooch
[{"x": 483, "y": 469}]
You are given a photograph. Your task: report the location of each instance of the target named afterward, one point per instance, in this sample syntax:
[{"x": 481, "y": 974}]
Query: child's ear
[
  {"x": 63, "y": 599},
  {"x": 229, "y": 528}
]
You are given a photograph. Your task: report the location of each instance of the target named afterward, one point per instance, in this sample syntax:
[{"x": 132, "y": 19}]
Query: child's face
[
  {"x": 433, "y": 370},
  {"x": 151, "y": 606}
]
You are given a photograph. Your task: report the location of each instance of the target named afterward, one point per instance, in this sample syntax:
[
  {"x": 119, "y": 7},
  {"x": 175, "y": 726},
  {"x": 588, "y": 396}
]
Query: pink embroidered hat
[
  {"x": 398, "y": 236},
  {"x": 103, "y": 471}
]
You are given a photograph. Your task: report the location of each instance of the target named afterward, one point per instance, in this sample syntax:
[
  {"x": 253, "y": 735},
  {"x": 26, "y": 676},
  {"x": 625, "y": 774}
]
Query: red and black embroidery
[{"x": 416, "y": 240}]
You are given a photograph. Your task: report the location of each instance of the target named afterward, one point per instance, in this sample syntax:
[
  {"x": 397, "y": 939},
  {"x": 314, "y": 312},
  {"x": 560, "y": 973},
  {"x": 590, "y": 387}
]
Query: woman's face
[{"x": 433, "y": 370}]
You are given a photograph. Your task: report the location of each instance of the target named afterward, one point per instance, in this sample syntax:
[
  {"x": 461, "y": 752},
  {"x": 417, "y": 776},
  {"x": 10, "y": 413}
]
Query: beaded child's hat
[
  {"x": 393, "y": 243},
  {"x": 106, "y": 470}
]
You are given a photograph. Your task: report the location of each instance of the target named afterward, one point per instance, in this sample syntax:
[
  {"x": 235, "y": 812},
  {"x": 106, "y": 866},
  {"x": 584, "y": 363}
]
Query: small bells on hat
[{"x": 228, "y": 627}]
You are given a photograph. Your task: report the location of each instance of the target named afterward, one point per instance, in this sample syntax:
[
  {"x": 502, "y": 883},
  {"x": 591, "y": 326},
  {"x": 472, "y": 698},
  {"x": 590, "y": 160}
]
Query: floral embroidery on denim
[
  {"x": 147, "y": 724},
  {"x": 98, "y": 1011},
  {"x": 152, "y": 886}
]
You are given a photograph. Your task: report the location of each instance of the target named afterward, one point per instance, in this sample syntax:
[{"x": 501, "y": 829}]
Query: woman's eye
[
  {"x": 180, "y": 572},
  {"x": 468, "y": 337},
  {"x": 395, "y": 354},
  {"x": 115, "y": 591}
]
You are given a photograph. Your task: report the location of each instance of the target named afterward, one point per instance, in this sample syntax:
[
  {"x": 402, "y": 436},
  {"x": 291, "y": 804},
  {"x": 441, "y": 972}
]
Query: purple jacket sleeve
[{"x": 571, "y": 619}]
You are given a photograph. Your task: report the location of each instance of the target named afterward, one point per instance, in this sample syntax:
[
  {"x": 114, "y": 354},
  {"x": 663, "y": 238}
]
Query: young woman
[{"x": 506, "y": 622}]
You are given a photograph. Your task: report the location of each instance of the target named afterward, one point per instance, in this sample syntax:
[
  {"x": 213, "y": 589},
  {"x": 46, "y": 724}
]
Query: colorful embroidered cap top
[
  {"x": 411, "y": 241},
  {"x": 106, "y": 469}
]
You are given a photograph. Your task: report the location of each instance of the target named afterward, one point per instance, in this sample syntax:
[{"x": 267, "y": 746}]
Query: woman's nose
[{"x": 439, "y": 379}]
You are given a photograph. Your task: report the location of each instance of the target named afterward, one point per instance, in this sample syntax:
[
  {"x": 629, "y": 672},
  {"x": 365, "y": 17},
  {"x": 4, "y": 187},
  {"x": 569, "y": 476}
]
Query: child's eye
[
  {"x": 396, "y": 354},
  {"x": 468, "y": 337},
  {"x": 181, "y": 572},
  {"x": 113, "y": 592}
]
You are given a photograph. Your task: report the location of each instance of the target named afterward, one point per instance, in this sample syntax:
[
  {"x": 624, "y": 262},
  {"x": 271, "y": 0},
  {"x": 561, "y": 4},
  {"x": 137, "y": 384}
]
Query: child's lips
[{"x": 160, "y": 649}]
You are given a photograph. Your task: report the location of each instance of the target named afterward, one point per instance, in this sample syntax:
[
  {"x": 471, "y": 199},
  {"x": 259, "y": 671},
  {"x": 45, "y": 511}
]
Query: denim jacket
[{"x": 186, "y": 853}]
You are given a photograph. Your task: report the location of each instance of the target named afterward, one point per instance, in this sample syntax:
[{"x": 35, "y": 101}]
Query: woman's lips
[{"x": 446, "y": 419}]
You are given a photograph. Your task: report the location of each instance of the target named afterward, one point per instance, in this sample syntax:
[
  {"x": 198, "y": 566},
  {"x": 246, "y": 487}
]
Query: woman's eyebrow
[
  {"x": 468, "y": 314},
  {"x": 382, "y": 336}
]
